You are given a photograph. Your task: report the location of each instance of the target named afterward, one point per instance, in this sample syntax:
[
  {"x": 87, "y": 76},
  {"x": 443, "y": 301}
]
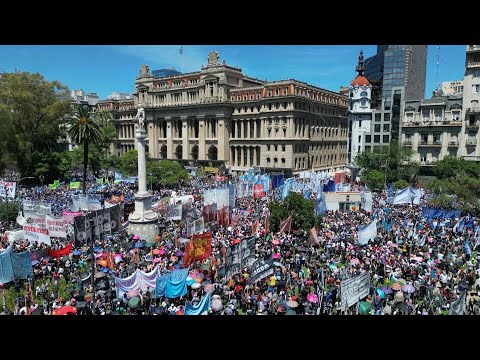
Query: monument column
[{"x": 143, "y": 221}]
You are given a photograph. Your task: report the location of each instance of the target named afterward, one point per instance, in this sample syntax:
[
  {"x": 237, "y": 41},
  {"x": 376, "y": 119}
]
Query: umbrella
[
  {"x": 381, "y": 294},
  {"x": 35, "y": 262},
  {"x": 156, "y": 252},
  {"x": 408, "y": 288},
  {"x": 136, "y": 237},
  {"x": 105, "y": 270},
  {"x": 196, "y": 286},
  {"x": 396, "y": 286},
  {"x": 216, "y": 304},
  {"x": 179, "y": 253},
  {"x": 275, "y": 242},
  {"x": 156, "y": 260},
  {"x": 462, "y": 286},
  {"x": 386, "y": 290},
  {"x": 65, "y": 310},
  {"x": 64, "y": 259},
  {"x": 364, "y": 308},
  {"x": 354, "y": 261},
  {"x": 292, "y": 303},
  {"x": 139, "y": 245},
  {"x": 209, "y": 288},
  {"x": 312, "y": 298},
  {"x": 281, "y": 309},
  {"x": 99, "y": 275},
  {"x": 77, "y": 253},
  {"x": 134, "y": 302},
  {"x": 276, "y": 256},
  {"x": 132, "y": 293}
]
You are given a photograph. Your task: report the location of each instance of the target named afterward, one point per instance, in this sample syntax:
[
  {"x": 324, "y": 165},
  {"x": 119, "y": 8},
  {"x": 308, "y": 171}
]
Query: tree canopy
[
  {"x": 394, "y": 161},
  {"x": 166, "y": 172},
  {"x": 457, "y": 183},
  {"x": 302, "y": 211},
  {"x": 31, "y": 111}
]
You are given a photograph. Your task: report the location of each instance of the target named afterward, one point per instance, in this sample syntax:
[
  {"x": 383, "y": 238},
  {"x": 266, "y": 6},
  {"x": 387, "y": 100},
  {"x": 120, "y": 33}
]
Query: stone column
[
  {"x": 242, "y": 125},
  {"x": 239, "y": 156},
  {"x": 223, "y": 136},
  {"x": 185, "y": 137},
  {"x": 201, "y": 137},
  {"x": 170, "y": 149}
]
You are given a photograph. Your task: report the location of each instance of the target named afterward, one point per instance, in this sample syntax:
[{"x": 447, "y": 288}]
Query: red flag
[
  {"x": 267, "y": 224},
  {"x": 286, "y": 225},
  {"x": 60, "y": 253},
  {"x": 314, "y": 236},
  {"x": 255, "y": 226},
  {"x": 199, "y": 248},
  {"x": 235, "y": 220},
  {"x": 258, "y": 191}
]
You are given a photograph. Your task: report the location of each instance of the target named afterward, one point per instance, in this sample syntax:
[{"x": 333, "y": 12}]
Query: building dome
[{"x": 360, "y": 80}]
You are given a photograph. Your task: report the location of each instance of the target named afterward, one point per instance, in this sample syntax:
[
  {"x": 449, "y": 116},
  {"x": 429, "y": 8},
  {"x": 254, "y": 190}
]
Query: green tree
[
  {"x": 128, "y": 163},
  {"x": 31, "y": 111},
  {"x": 451, "y": 167},
  {"x": 84, "y": 130},
  {"x": 374, "y": 179},
  {"x": 302, "y": 211},
  {"x": 394, "y": 160},
  {"x": 401, "y": 184},
  {"x": 167, "y": 172},
  {"x": 8, "y": 211}
]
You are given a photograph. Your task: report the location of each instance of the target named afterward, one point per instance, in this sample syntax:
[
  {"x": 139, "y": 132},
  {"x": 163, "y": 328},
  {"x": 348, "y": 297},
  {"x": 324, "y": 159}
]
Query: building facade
[
  {"x": 359, "y": 112},
  {"x": 452, "y": 87},
  {"x": 399, "y": 66},
  {"x": 219, "y": 116},
  {"x": 447, "y": 125}
]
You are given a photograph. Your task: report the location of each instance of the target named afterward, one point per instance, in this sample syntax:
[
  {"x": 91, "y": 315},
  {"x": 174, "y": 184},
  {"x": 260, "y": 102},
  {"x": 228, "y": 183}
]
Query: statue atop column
[{"x": 140, "y": 116}]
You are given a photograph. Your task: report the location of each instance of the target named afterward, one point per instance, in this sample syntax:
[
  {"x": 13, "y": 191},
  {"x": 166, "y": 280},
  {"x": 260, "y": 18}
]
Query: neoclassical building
[{"x": 219, "y": 116}]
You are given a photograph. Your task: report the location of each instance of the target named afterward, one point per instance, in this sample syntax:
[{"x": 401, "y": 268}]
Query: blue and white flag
[
  {"x": 367, "y": 233},
  {"x": 460, "y": 225},
  {"x": 200, "y": 308}
]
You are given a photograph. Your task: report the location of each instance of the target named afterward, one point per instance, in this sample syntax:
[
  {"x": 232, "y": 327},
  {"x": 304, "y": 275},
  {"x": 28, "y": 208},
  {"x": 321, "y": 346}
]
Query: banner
[
  {"x": 314, "y": 236},
  {"x": 174, "y": 212},
  {"x": 139, "y": 280},
  {"x": 79, "y": 202},
  {"x": 56, "y": 226},
  {"x": 53, "y": 186},
  {"x": 258, "y": 191},
  {"x": 354, "y": 289},
  {"x": 36, "y": 219},
  {"x": 200, "y": 308},
  {"x": 182, "y": 199},
  {"x": 60, "y": 253},
  {"x": 69, "y": 216},
  {"x": 6, "y": 269},
  {"x": 22, "y": 265},
  {"x": 261, "y": 269},
  {"x": 75, "y": 185},
  {"x": 367, "y": 233},
  {"x": 196, "y": 226},
  {"x": 231, "y": 196},
  {"x": 199, "y": 248},
  {"x": 286, "y": 225},
  {"x": 105, "y": 221},
  {"x": 9, "y": 188},
  {"x": 239, "y": 255},
  {"x": 34, "y": 233},
  {"x": 366, "y": 201},
  {"x": 458, "y": 306},
  {"x": 93, "y": 202}
]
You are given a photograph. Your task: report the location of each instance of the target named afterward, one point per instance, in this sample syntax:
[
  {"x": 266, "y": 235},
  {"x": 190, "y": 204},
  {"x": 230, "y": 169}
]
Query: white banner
[
  {"x": 35, "y": 219},
  {"x": 354, "y": 289},
  {"x": 174, "y": 212},
  {"x": 366, "y": 199},
  {"x": 56, "y": 226},
  {"x": 185, "y": 199},
  {"x": 368, "y": 233},
  {"x": 34, "y": 233},
  {"x": 10, "y": 188}
]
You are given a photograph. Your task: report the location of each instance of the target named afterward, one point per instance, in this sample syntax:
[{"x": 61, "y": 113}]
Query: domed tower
[{"x": 359, "y": 111}]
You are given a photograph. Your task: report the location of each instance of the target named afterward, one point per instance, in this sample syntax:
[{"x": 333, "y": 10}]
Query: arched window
[{"x": 363, "y": 94}]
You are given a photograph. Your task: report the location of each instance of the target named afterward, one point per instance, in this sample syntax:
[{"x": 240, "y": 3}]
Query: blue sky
[{"x": 107, "y": 68}]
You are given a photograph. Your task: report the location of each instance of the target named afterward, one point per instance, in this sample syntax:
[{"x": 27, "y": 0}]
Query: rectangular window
[
  {"x": 368, "y": 138},
  {"x": 359, "y": 138},
  {"x": 408, "y": 138},
  {"x": 386, "y": 127},
  {"x": 284, "y": 91},
  {"x": 376, "y": 139},
  {"x": 377, "y": 128},
  {"x": 424, "y": 138},
  {"x": 436, "y": 138},
  {"x": 386, "y": 139},
  {"x": 283, "y": 148},
  {"x": 378, "y": 117},
  {"x": 386, "y": 117},
  {"x": 269, "y": 92}
]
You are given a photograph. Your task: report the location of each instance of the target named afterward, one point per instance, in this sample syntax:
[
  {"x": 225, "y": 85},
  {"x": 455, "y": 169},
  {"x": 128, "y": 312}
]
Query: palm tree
[{"x": 84, "y": 130}]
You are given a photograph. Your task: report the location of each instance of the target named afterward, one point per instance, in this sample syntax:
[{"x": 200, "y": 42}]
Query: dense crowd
[{"x": 415, "y": 267}]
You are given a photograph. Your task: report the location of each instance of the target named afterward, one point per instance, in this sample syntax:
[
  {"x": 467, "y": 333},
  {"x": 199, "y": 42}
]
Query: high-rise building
[
  {"x": 220, "y": 117},
  {"x": 396, "y": 66}
]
